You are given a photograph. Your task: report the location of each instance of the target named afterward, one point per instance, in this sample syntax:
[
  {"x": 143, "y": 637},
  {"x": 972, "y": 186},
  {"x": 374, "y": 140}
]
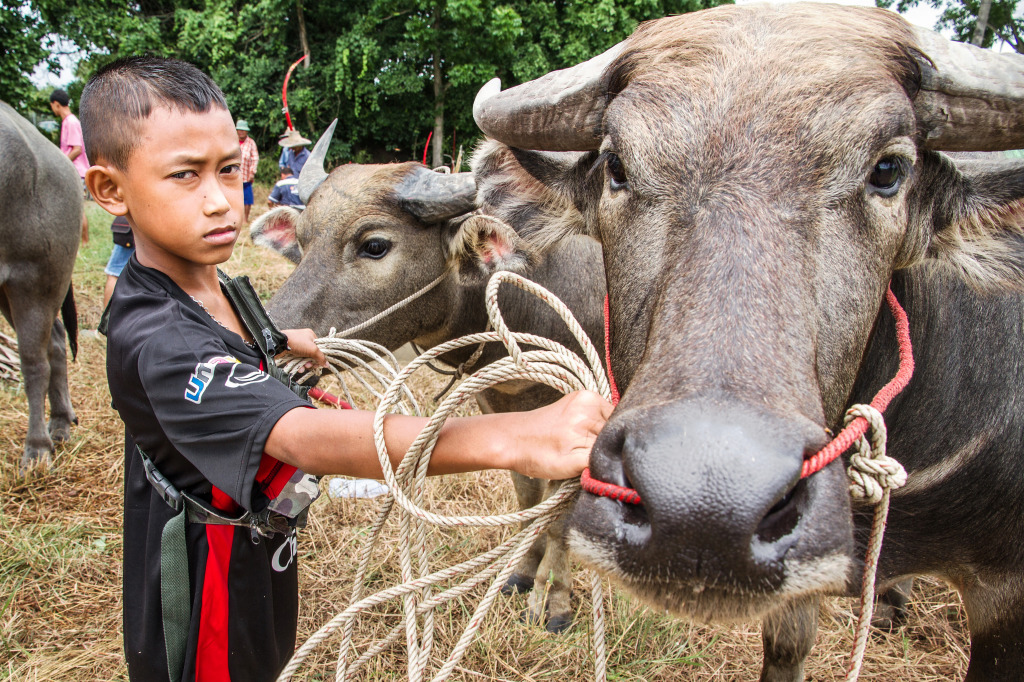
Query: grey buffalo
[
  {"x": 372, "y": 235},
  {"x": 757, "y": 175},
  {"x": 41, "y": 196}
]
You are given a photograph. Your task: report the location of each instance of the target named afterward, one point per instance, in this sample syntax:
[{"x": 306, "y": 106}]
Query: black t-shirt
[{"x": 192, "y": 396}]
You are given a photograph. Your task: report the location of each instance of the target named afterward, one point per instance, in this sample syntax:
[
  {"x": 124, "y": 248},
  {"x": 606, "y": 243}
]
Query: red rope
[
  {"x": 854, "y": 430},
  {"x": 325, "y": 397},
  {"x": 616, "y": 492},
  {"x": 608, "y": 352},
  {"x": 859, "y": 426}
]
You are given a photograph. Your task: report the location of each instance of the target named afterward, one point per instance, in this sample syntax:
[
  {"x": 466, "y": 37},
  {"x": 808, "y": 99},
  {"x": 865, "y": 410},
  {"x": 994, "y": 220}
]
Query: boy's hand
[
  {"x": 302, "y": 342},
  {"x": 554, "y": 441}
]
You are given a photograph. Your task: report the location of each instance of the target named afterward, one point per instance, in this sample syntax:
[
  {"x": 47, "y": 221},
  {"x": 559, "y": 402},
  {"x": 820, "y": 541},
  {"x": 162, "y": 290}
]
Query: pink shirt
[{"x": 71, "y": 136}]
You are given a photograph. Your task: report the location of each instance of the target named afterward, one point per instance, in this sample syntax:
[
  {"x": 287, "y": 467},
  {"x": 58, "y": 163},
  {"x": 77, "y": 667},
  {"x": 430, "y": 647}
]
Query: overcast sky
[{"x": 922, "y": 15}]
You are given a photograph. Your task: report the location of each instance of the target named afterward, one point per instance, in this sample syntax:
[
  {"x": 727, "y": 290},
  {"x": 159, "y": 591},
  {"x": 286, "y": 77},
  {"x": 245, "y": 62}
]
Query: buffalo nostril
[{"x": 784, "y": 515}]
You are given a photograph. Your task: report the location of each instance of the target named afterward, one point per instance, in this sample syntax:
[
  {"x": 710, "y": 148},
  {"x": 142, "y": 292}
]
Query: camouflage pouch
[{"x": 289, "y": 508}]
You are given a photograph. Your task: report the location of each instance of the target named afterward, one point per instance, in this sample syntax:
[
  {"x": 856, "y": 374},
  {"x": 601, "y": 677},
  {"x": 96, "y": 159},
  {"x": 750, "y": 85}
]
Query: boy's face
[{"x": 182, "y": 190}]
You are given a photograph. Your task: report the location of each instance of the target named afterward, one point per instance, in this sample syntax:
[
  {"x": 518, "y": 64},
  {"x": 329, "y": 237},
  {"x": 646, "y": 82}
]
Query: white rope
[
  {"x": 873, "y": 475},
  {"x": 384, "y": 313},
  {"x": 546, "y": 362}
]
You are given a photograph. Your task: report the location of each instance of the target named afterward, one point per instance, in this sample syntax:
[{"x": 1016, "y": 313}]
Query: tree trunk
[
  {"x": 979, "y": 28},
  {"x": 302, "y": 34},
  {"x": 437, "y": 158}
]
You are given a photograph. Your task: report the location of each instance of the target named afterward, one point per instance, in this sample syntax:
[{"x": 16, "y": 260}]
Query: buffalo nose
[{"x": 720, "y": 486}]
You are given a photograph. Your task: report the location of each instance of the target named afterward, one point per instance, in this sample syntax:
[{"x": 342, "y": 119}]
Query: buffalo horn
[
  {"x": 435, "y": 197},
  {"x": 970, "y": 99},
  {"x": 313, "y": 172},
  {"x": 560, "y": 111}
]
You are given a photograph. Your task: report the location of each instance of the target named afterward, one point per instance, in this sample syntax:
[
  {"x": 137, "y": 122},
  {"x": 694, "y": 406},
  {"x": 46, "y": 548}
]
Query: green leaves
[
  {"x": 961, "y": 18},
  {"x": 372, "y": 64}
]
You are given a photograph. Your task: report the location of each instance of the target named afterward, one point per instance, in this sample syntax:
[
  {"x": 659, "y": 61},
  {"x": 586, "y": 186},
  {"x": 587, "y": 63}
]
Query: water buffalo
[
  {"x": 39, "y": 234},
  {"x": 372, "y": 235},
  {"x": 757, "y": 175}
]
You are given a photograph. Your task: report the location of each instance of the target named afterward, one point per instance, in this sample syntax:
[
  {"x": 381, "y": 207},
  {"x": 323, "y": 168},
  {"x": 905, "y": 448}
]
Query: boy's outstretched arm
[{"x": 551, "y": 442}]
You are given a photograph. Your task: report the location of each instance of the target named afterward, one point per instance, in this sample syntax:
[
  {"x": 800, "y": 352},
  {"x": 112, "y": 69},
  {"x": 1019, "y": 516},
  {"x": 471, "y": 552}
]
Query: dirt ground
[{"x": 60, "y": 564}]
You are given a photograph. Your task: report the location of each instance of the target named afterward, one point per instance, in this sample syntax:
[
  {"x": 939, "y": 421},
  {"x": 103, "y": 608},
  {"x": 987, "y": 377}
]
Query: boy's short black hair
[
  {"x": 288, "y": 170},
  {"x": 122, "y": 94},
  {"x": 60, "y": 97}
]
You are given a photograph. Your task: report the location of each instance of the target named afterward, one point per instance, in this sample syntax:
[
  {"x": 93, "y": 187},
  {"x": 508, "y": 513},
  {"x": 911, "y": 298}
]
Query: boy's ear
[{"x": 102, "y": 182}]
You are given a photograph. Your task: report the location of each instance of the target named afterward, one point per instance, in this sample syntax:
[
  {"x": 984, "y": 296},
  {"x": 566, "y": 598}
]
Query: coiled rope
[
  {"x": 872, "y": 472},
  {"x": 547, "y": 362}
]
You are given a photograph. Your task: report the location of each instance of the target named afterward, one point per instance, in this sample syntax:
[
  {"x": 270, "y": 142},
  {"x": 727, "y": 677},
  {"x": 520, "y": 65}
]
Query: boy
[{"x": 201, "y": 418}]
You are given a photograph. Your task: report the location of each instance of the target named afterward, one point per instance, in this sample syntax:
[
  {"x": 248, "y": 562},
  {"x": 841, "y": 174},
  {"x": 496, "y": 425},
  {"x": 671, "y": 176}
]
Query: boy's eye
[
  {"x": 183, "y": 175},
  {"x": 232, "y": 168}
]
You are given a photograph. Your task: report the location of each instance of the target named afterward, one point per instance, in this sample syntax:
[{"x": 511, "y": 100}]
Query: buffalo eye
[
  {"x": 886, "y": 176},
  {"x": 375, "y": 248},
  {"x": 616, "y": 172}
]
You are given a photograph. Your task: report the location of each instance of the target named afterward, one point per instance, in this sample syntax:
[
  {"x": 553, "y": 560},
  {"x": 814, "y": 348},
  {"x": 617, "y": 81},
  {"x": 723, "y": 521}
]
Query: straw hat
[{"x": 293, "y": 139}]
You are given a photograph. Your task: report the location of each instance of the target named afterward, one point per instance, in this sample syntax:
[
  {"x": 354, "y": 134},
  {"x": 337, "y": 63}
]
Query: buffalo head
[
  {"x": 755, "y": 175},
  {"x": 370, "y": 236}
]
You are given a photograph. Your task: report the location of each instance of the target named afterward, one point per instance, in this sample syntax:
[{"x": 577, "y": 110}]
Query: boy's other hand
[
  {"x": 302, "y": 342},
  {"x": 554, "y": 441}
]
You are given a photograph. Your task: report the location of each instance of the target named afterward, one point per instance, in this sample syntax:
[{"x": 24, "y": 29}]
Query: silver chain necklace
[{"x": 214, "y": 318}]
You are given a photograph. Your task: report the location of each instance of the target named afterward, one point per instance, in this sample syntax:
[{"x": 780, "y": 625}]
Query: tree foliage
[
  {"x": 961, "y": 18},
  {"x": 374, "y": 64}
]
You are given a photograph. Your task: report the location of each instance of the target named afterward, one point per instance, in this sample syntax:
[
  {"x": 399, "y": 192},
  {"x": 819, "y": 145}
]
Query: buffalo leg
[
  {"x": 995, "y": 618},
  {"x": 550, "y": 598},
  {"x": 62, "y": 414},
  {"x": 891, "y": 606},
  {"x": 529, "y": 493},
  {"x": 32, "y": 327},
  {"x": 788, "y": 635}
]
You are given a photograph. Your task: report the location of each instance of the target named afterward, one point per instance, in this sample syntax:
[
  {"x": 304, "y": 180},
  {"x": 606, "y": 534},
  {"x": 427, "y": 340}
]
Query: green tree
[
  {"x": 390, "y": 70},
  {"x": 411, "y": 62},
  {"x": 961, "y": 18},
  {"x": 22, "y": 34}
]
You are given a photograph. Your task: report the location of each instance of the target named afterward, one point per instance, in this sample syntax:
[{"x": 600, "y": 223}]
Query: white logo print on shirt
[{"x": 202, "y": 376}]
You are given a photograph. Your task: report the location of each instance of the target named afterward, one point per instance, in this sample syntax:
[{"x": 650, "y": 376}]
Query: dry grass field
[{"x": 60, "y": 563}]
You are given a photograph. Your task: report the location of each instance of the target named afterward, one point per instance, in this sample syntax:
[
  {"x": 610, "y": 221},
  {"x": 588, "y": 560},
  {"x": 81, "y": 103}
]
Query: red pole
[{"x": 284, "y": 90}]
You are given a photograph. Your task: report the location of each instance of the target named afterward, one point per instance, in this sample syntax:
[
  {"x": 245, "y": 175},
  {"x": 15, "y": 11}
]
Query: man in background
[
  {"x": 71, "y": 143},
  {"x": 295, "y": 153},
  {"x": 250, "y": 159}
]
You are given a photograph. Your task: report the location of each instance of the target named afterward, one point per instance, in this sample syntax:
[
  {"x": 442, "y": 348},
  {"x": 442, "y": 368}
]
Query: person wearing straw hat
[
  {"x": 250, "y": 159},
  {"x": 295, "y": 153}
]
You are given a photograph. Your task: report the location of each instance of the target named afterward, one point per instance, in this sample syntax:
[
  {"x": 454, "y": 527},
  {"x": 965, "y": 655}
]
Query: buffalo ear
[
  {"x": 482, "y": 245},
  {"x": 979, "y": 225},
  {"x": 275, "y": 230},
  {"x": 540, "y": 193}
]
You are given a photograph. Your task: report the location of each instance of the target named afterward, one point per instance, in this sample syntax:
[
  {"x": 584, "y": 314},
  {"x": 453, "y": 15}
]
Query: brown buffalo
[
  {"x": 757, "y": 175},
  {"x": 372, "y": 235}
]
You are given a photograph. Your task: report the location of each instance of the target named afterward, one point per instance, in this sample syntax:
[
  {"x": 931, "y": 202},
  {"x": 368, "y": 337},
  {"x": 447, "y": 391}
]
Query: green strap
[{"x": 175, "y": 593}]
